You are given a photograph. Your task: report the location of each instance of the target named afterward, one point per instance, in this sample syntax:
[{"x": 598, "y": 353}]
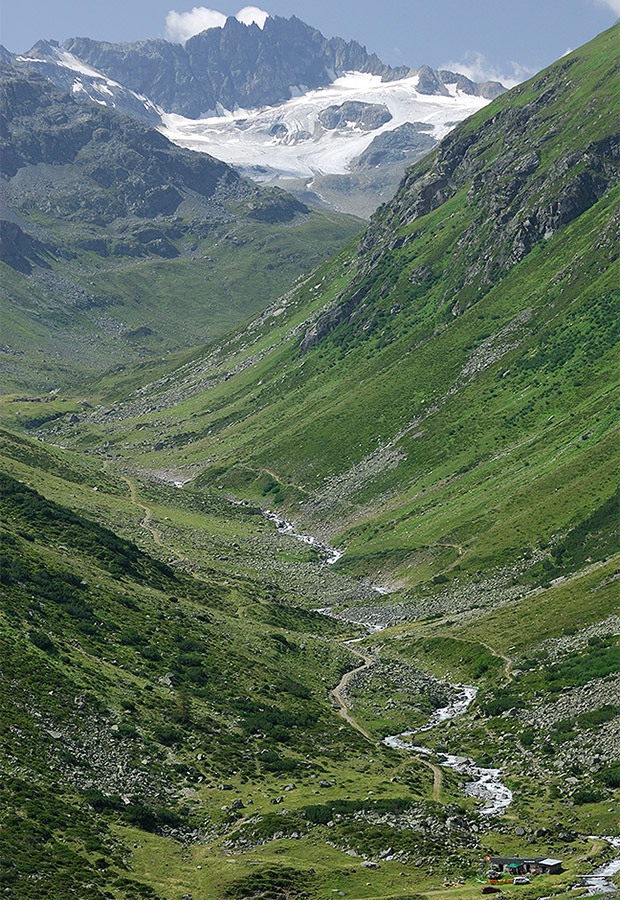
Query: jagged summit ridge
[
  {"x": 248, "y": 67},
  {"x": 241, "y": 66}
]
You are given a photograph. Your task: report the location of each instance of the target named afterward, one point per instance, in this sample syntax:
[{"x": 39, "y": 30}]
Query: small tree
[{"x": 183, "y": 711}]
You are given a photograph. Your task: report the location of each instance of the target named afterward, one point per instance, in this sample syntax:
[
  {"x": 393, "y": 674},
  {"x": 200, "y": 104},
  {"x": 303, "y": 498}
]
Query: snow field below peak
[{"x": 289, "y": 140}]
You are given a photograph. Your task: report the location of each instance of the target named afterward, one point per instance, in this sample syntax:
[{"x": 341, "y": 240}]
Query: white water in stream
[
  {"x": 455, "y": 708},
  {"x": 330, "y": 554},
  {"x": 599, "y": 881},
  {"x": 485, "y": 784}
]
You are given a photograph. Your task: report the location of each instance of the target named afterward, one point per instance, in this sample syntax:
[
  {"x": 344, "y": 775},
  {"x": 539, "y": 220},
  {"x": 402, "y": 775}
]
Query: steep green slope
[
  {"x": 130, "y": 691},
  {"x": 117, "y": 246},
  {"x": 158, "y": 724}
]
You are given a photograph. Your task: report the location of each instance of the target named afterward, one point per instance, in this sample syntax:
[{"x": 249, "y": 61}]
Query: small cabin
[
  {"x": 519, "y": 865},
  {"x": 550, "y": 866}
]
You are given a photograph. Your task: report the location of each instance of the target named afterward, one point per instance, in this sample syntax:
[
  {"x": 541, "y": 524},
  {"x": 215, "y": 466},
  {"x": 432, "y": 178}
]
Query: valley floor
[{"x": 358, "y": 814}]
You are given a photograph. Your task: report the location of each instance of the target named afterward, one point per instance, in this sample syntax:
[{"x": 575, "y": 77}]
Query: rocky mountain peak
[
  {"x": 251, "y": 71},
  {"x": 243, "y": 66}
]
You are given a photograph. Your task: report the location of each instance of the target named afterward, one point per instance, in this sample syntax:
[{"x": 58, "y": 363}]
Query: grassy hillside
[
  {"x": 431, "y": 414},
  {"x": 167, "y": 712},
  {"x": 139, "y": 690}
]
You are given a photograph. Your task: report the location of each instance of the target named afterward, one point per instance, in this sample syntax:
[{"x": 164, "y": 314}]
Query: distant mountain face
[
  {"x": 119, "y": 168},
  {"x": 76, "y": 77},
  {"x": 223, "y": 73},
  {"x": 234, "y": 66},
  {"x": 92, "y": 202},
  {"x": 247, "y": 66}
]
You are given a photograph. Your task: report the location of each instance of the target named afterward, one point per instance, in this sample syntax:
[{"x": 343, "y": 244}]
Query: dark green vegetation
[
  {"x": 439, "y": 402},
  {"x": 144, "y": 707},
  {"x": 120, "y": 247}
]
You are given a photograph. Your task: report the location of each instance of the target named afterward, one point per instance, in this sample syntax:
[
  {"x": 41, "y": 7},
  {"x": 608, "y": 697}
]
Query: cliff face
[{"x": 523, "y": 174}]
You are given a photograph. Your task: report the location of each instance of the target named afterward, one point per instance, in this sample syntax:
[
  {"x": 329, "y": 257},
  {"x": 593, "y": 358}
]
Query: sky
[{"x": 505, "y": 39}]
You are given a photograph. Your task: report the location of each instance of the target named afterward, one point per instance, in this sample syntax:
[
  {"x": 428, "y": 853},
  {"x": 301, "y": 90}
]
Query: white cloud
[
  {"x": 613, "y": 5},
  {"x": 478, "y": 68},
  {"x": 181, "y": 26},
  {"x": 252, "y": 15}
]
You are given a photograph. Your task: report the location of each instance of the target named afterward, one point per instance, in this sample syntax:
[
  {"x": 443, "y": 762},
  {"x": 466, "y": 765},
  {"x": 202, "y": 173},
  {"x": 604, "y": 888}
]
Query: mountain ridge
[
  {"x": 263, "y": 65},
  {"x": 95, "y": 202}
]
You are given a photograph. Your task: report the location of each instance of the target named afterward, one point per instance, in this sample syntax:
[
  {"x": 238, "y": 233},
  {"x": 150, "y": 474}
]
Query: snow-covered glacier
[{"x": 290, "y": 141}]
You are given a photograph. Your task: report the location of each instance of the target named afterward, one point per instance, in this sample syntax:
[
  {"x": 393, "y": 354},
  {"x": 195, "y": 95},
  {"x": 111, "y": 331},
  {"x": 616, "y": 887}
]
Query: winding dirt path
[
  {"x": 338, "y": 694},
  {"x": 437, "y": 777},
  {"x": 338, "y": 698},
  {"x": 147, "y": 521},
  {"x": 507, "y": 662},
  {"x": 457, "y": 547}
]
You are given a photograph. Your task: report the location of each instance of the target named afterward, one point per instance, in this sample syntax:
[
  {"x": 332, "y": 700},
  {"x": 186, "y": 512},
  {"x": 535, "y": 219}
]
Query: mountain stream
[
  {"x": 330, "y": 554},
  {"x": 485, "y": 784},
  {"x": 599, "y": 881}
]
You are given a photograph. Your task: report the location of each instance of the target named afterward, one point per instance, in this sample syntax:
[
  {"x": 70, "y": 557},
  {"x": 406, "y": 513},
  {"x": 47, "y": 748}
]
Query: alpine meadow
[{"x": 309, "y": 558}]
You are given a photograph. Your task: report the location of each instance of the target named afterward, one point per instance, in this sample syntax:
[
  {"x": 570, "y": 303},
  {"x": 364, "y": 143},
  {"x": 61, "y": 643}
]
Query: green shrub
[
  {"x": 272, "y": 883},
  {"x": 587, "y": 795},
  {"x": 598, "y": 716},
  {"x": 42, "y": 641},
  {"x": 166, "y": 734},
  {"x": 610, "y": 775}
]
